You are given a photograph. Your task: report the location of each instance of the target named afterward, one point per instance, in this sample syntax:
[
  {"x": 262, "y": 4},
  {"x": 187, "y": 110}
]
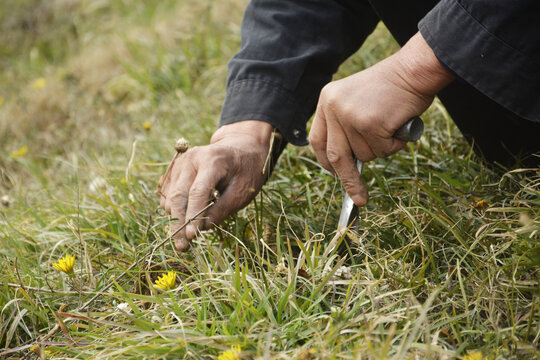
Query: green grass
[{"x": 430, "y": 273}]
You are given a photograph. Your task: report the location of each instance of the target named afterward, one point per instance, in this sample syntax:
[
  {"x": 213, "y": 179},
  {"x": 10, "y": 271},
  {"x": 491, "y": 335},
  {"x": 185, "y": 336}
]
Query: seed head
[
  {"x": 5, "y": 200},
  {"x": 182, "y": 145}
]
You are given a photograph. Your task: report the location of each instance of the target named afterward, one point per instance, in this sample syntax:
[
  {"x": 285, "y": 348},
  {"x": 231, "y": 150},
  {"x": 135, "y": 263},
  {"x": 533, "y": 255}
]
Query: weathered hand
[
  {"x": 232, "y": 164},
  {"x": 357, "y": 116}
]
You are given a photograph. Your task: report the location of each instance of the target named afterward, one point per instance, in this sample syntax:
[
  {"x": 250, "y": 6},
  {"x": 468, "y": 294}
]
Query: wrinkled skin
[
  {"x": 356, "y": 117},
  {"x": 232, "y": 163}
]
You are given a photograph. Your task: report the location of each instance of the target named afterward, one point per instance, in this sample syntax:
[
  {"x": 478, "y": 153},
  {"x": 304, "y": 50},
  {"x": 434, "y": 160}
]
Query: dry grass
[{"x": 432, "y": 272}]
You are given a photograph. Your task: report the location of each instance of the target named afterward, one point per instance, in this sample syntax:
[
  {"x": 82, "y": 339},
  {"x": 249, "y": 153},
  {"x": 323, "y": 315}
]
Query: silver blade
[
  {"x": 349, "y": 211},
  {"x": 410, "y": 131}
]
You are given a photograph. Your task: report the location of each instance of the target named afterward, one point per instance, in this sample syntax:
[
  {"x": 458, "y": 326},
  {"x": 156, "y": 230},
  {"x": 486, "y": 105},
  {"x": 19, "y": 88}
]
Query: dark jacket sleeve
[
  {"x": 290, "y": 50},
  {"x": 494, "y": 45}
]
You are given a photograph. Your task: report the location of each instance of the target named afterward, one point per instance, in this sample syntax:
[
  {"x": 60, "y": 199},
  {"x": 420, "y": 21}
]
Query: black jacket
[{"x": 291, "y": 48}]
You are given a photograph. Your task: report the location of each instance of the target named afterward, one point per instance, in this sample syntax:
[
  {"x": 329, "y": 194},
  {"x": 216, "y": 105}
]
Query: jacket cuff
[
  {"x": 254, "y": 99},
  {"x": 474, "y": 54}
]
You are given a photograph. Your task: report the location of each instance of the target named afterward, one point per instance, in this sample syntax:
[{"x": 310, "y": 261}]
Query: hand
[
  {"x": 232, "y": 164},
  {"x": 357, "y": 116}
]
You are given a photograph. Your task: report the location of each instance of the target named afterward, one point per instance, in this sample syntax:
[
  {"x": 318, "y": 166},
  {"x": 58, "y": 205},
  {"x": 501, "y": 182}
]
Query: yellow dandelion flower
[
  {"x": 39, "y": 83},
  {"x": 232, "y": 354},
  {"x": 481, "y": 204},
  {"x": 65, "y": 264},
  {"x": 306, "y": 354},
  {"x": 147, "y": 125},
  {"x": 473, "y": 355},
  {"x": 35, "y": 349},
  {"x": 20, "y": 152},
  {"x": 1, "y": 100},
  {"x": 166, "y": 281}
]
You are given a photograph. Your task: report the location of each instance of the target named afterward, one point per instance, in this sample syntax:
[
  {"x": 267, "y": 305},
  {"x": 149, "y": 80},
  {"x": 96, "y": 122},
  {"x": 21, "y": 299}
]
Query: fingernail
[
  {"x": 181, "y": 244},
  {"x": 190, "y": 231}
]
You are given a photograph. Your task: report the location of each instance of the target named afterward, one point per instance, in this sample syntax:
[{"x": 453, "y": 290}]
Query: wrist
[
  {"x": 420, "y": 68},
  {"x": 258, "y": 131}
]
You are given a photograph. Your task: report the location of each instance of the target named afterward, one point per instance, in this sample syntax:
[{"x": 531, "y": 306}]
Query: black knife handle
[{"x": 410, "y": 131}]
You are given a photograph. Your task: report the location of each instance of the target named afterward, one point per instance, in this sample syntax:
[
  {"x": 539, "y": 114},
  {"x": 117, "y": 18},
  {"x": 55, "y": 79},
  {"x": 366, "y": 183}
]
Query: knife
[{"x": 411, "y": 131}]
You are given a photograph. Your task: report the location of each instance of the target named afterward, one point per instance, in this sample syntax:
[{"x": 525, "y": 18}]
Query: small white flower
[
  {"x": 344, "y": 272},
  {"x": 124, "y": 307},
  {"x": 281, "y": 268}
]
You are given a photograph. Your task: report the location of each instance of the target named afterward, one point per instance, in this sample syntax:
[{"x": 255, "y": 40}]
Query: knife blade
[{"x": 410, "y": 131}]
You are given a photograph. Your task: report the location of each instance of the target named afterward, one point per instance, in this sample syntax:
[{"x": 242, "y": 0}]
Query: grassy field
[{"x": 93, "y": 95}]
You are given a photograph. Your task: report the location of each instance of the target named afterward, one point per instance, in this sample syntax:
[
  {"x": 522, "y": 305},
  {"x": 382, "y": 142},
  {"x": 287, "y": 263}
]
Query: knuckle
[
  {"x": 177, "y": 194},
  {"x": 177, "y": 199},
  {"x": 316, "y": 142},
  {"x": 167, "y": 207},
  {"x": 190, "y": 156},
  {"x": 367, "y": 124},
  {"x": 329, "y": 94},
  {"x": 350, "y": 187},
  {"x": 333, "y": 156},
  {"x": 350, "y": 184},
  {"x": 380, "y": 152},
  {"x": 199, "y": 190}
]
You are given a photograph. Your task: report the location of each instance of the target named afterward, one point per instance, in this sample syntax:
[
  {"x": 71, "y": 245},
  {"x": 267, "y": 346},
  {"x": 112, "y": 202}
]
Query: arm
[
  {"x": 494, "y": 45},
  {"x": 290, "y": 49},
  {"x": 357, "y": 116},
  {"x": 491, "y": 44}
]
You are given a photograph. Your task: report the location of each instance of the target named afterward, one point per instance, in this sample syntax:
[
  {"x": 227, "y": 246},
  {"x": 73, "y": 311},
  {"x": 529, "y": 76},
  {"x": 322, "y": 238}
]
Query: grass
[{"x": 445, "y": 260}]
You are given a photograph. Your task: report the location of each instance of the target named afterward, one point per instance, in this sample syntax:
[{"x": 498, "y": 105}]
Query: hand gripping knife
[{"x": 411, "y": 131}]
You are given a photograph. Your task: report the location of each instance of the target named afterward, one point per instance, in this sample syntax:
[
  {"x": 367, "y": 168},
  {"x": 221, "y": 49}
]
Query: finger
[
  {"x": 199, "y": 197},
  {"x": 178, "y": 211},
  {"x": 182, "y": 244},
  {"x": 177, "y": 199},
  {"x": 361, "y": 149},
  {"x": 162, "y": 201},
  {"x": 178, "y": 188},
  {"x": 340, "y": 155},
  {"x": 235, "y": 196},
  {"x": 382, "y": 147},
  {"x": 165, "y": 180},
  {"x": 318, "y": 139},
  {"x": 395, "y": 146}
]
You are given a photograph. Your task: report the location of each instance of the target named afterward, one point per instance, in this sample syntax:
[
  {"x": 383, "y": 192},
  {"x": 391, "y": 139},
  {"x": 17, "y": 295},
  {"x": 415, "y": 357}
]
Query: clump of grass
[{"x": 444, "y": 263}]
